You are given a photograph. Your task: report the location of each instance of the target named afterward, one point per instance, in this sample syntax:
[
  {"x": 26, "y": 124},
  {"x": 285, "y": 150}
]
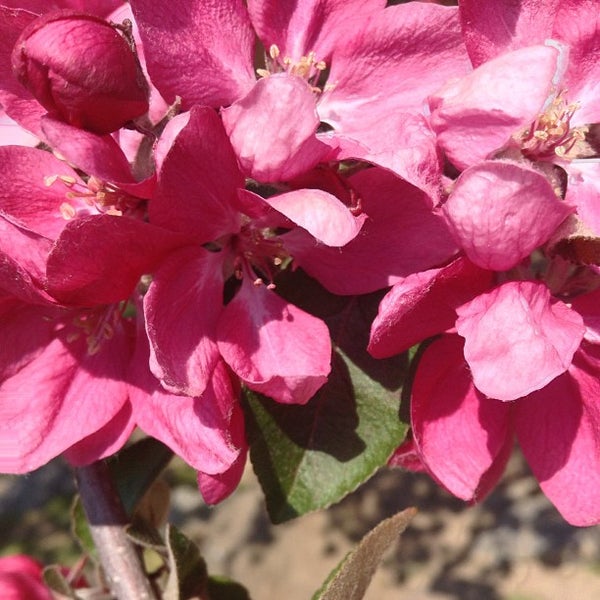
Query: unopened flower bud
[{"x": 81, "y": 70}]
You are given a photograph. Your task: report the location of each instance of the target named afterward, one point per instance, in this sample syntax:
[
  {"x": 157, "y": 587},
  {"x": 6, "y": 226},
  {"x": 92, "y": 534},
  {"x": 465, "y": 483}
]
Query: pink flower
[
  {"x": 273, "y": 123},
  {"x": 21, "y": 579},
  {"x": 234, "y": 254},
  {"x": 464, "y": 439},
  {"x": 536, "y": 352},
  {"x": 81, "y": 70}
]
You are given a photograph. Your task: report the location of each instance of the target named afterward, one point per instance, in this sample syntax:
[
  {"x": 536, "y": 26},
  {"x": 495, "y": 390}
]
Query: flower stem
[{"x": 107, "y": 520}]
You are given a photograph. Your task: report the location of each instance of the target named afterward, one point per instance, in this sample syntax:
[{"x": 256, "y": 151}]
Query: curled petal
[
  {"x": 320, "y": 213},
  {"x": 517, "y": 339},
  {"x": 500, "y": 212},
  {"x": 273, "y": 129},
  {"x": 463, "y": 438},
  {"x": 273, "y": 346}
]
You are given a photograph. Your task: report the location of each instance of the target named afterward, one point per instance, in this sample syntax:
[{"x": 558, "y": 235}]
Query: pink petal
[
  {"x": 558, "y": 429},
  {"x": 576, "y": 23},
  {"x": 517, "y": 339},
  {"x": 22, "y": 261},
  {"x": 300, "y": 27},
  {"x": 478, "y": 114},
  {"x": 98, "y": 259},
  {"x": 215, "y": 488},
  {"x": 409, "y": 149},
  {"x": 273, "y": 346},
  {"x": 105, "y": 442},
  {"x": 423, "y": 304},
  {"x": 406, "y": 53},
  {"x": 18, "y": 103},
  {"x": 26, "y": 193},
  {"x": 201, "y": 51},
  {"x": 320, "y": 213},
  {"x": 62, "y": 385},
  {"x": 272, "y": 129},
  {"x": 463, "y": 438},
  {"x": 12, "y": 133},
  {"x": 198, "y": 181},
  {"x": 501, "y": 211},
  {"x": 378, "y": 256},
  {"x": 493, "y": 28},
  {"x": 205, "y": 431},
  {"x": 181, "y": 307},
  {"x": 98, "y": 155}
]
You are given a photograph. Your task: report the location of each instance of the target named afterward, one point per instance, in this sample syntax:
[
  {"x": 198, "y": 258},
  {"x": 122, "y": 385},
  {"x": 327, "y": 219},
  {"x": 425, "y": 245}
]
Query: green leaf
[
  {"x": 351, "y": 578},
  {"x": 80, "y": 529},
  {"x": 308, "y": 457},
  {"x": 57, "y": 582},
  {"x": 222, "y": 588},
  {"x": 134, "y": 469},
  {"x": 188, "y": 577}
]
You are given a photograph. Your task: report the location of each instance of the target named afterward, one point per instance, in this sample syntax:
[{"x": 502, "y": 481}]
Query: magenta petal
[
  {"x": 378, "y": 256},
  {"x": 405, "y": 53},
  {"x": 22, "y": 261},
  {"x": 492, "y": 28},
  {"x": 104, "y": 442},
  {"x": 204, "y": 431},
  {"x": 558, "y": 430},
  {"x": 517, "y": 339},
  {"x": 181, "y": 307},
  {"x": 198, "y": 180},
  {"x": 200, "y": 51},
  {"x": 300, "y": 27},
  {"x": 61, "y": 386},
  {"x": 98, "y": 259},
  {"x": 423, "y": 305},
  {"x": 27, "y": 192},
  {"x": 463, "y": 438},
  {"x": 217, "y": 487},
  {"x": 500, "y": 212},
  {"x": 478, "y": 114},
  {"x": 18, "y": 103},
  {"x": 98, "y": 155},
  {"x": 320, "y": 213},
  {"x": 273, "y": 129},
  {"x": 275, "y": 348}
]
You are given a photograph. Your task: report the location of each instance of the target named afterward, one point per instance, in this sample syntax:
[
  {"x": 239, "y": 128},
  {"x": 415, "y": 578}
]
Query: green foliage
[{"x": 350, "y": 579}]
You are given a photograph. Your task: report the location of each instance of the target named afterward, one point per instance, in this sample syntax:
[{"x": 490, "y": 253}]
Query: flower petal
[
  {"x": 478, "y": 114},
  {"x": 517, "y": 339},
  {"x": 200, "y": 51},
  {"x": 423, "y": 305},
  {"x": 273, "y": 129},
  {"x": 276, "y": 348},
  {"x": 558, "y": 430},
  {"x": 500, "y": 212},
  {"x": 320, "y": 213},
  {"x": 181, "y": 307},
  {"x": 463, "y": 438}
]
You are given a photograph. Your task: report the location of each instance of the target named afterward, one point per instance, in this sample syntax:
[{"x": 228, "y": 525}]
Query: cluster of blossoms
[{"x": 159, "y": 179}]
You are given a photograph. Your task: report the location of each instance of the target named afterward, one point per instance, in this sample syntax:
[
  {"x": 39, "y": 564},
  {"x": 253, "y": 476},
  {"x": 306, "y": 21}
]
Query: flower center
[
  {"x": 307, "y": 67},
  {"x": 551, "y": 133},
  {"x": 259, "y": 254},
  {"x": 95, "y": 197},
  {"x": 95, "y": 326}
]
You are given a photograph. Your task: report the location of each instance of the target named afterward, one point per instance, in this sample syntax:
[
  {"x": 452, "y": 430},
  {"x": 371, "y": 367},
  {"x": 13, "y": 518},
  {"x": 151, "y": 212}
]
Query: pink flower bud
[{"x": 81, "y": 70}]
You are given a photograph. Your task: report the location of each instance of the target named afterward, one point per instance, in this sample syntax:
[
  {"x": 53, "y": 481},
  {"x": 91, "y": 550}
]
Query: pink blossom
[
  {"x": 21, "y": 578},
  {"x": 54, "y": 57},
  {"x": 273, "y": 346},
  {"x": 464, "y": 438},
  {"x": 362, "y": 45}
]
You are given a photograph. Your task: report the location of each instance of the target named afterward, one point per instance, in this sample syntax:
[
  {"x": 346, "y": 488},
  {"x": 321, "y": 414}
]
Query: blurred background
[{"x": 513, "y": 546}]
